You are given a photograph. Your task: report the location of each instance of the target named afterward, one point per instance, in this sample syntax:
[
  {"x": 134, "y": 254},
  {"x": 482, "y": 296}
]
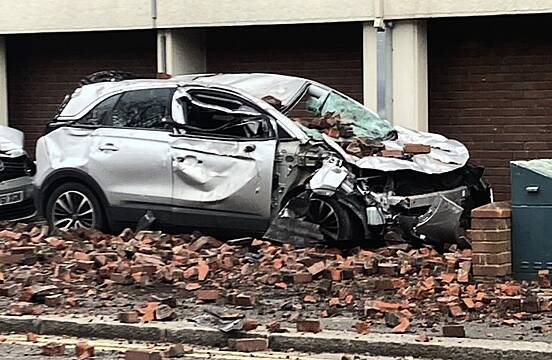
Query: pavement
[
  {"x": 327, "y": 341},
  {"x": 16, "y": 347}
]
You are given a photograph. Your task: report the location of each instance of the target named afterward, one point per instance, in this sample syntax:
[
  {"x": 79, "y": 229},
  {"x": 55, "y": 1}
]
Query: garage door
[
  {"x": 43, "y": 68},
  {"x": 330, "y": 54},
  {"x": 491, "y": 88}
]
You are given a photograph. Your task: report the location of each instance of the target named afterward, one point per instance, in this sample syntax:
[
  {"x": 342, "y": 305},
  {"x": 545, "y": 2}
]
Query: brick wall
[
  {"x": 491, "y": 88},
  {"x": 330, "y": 54},
  {"x": 43, "y": 68}
]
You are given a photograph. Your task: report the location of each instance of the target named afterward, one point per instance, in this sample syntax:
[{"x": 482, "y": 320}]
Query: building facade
[{"x": 479, "y": 71}]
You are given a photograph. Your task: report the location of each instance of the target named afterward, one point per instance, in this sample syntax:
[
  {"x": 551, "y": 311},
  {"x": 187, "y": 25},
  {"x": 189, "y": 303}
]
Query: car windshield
[{"x": 338, "y": 116}]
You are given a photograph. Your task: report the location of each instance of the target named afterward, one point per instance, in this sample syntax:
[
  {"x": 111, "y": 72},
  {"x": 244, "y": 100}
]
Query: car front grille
[
  {"x": 20, "y": 210},
  {"x": 13, "y": 168}
]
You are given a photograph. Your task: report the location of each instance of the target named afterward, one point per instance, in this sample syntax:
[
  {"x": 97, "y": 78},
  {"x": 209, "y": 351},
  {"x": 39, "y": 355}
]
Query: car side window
[
  {"x": 142, "y": 109},
  {"x": 101, "y": 113},
  {"x": 222, "y": 115}
]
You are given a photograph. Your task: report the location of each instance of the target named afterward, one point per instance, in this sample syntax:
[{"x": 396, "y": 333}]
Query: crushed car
[
  {"x": 16, "y": 171},
  {"x": 249, "y": 153}
]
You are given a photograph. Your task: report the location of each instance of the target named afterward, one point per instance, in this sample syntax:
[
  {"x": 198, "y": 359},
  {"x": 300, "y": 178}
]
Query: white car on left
[{"x": 16, "y": 182}]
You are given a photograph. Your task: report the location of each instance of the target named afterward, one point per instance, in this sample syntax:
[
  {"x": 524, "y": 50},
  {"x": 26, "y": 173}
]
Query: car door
[
  {"x": 220, "y": 168},
  {"x": 129, "y": 156}
]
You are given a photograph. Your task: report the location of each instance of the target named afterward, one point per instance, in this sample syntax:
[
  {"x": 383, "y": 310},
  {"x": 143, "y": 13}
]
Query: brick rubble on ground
[{"x": 395, "y": 285}]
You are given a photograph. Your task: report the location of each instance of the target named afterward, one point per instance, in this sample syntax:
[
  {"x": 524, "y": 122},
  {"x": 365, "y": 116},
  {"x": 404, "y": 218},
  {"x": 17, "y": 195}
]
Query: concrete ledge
[{"x": 327, "y": 341}]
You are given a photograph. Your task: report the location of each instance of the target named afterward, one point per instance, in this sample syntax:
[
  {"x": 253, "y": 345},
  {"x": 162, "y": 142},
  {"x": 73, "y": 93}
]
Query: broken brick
[
  {"x": 207, "y": 295},
  {"x": 302, "y": 278},
  {"x": 130, "y": 317},
  {"x": 249, "y": 344},
  {"x": 177, "y": 350},
  {"x": 53, "y": 349},
  {"x": 453, "y": 331},
  {"x": 362, "y": 327},
  {"x": 250, "y": 324},
  {"x": 32, "y": 337},
  {"x": 83, "y": 350},
  {"x": 142, "y": 354},
  {"x": 312, "y": 326},
  {"x": 402, "y": 327}
]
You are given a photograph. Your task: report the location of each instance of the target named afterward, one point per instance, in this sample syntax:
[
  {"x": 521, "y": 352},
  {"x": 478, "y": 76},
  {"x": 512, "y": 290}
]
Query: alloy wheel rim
[
  {"x": 322, "y": 213},
  {"x": 73, "y": 210}
]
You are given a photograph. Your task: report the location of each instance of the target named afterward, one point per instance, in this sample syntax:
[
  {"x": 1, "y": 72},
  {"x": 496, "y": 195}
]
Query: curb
[{"x": 327, "y": 341}]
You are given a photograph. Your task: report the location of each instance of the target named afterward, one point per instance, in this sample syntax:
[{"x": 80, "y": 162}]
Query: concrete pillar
[
  {"x": 3, "y": 83},
  {"x": 181, "y": 51},
  {"x": 410, "y": 75},
  {"x": 369, "y": 66}
]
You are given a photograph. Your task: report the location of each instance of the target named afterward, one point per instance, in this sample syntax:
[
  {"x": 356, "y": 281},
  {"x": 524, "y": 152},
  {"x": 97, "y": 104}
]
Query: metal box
[{"x": 531, "y": 217}]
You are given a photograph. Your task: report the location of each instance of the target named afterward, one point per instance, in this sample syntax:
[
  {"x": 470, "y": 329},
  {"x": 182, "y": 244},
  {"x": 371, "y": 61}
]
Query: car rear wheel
[
  {"x": 74, "y": 206},
  {"x": 334, "y": 221}
]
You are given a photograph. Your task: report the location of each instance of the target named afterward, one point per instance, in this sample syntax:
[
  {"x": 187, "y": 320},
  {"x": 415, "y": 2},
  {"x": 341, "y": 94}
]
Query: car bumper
[{"x": 20, "y": 210}]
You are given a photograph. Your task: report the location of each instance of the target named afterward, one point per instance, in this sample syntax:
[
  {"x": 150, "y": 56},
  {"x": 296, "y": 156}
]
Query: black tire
[
  {"x": 54, "y": 208},
  {"x": 317, "y": 212}
]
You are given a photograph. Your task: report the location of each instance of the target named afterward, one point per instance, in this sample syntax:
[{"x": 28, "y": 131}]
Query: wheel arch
[{"x": 62, "y": 176}]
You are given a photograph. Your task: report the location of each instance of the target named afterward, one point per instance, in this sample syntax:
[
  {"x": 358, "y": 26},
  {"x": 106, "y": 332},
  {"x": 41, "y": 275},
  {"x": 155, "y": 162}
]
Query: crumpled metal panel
[
  {"x": 221, "y": 175},
  {"x": 11, "y": 142}
]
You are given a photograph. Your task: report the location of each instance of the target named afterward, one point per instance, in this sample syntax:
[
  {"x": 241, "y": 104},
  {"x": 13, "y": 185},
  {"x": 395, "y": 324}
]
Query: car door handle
[
  {"x": 181, "y": 159},
  {"x": 108, "y": 147},
  {"x": 249, "y": 148}
]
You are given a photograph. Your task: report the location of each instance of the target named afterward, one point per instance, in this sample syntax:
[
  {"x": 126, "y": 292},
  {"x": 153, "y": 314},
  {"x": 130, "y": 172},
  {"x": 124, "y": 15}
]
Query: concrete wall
[
  {"x": 65, "y": 15},
  {"x": 181, "y": 51}
]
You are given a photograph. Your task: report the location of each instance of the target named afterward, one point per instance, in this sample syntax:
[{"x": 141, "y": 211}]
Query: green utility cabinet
[{"x": 531, "y": 217}]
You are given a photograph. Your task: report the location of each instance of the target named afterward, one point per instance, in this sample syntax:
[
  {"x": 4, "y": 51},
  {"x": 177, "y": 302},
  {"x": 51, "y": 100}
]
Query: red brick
[
  {"x": 249, "y": 345},
  {"x": 416, "y": 149},
  {"x": 492, "y": 259},
  {"x": 53, "y": 300},
  {"x": 177, "y": 350},
  {"x": 207, "y": 295},
  {"x": 317, "y": 268},
  {"x": 142, "y": 354},
  {"x": 53, "y": 349},
  {"x": 313, "y": 326},
  {"x": 402, "y": 327},
  {"x": 302, "y": 278},
  {"x": 32, "y": 337},
  {"x": 250, "y": 324},
  {"x": 83, "y": 350},
  {"x": 492, "y": 270},
  {"x": 489, "y": 235},
  {"x": 494, "y": 247},
  {"x": 453, "y": 331},
  {"x": 496, "y": 210},
  {"x": 130, "y": 317},
  {"x": 490, "y": 224}
]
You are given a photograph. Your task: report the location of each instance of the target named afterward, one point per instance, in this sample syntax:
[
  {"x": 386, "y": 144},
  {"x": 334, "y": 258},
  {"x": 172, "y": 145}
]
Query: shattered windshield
[{"x": 338, "y": 116}]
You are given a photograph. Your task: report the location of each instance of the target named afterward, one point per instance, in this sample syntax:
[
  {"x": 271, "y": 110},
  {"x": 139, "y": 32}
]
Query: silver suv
[
  {"x": 237, "y": 152},
  {"x": 16, "y": 171}
]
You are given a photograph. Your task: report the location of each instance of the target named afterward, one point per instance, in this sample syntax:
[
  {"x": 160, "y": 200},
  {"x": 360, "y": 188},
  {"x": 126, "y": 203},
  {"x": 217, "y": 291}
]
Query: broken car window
[
  {"x": 223, "y": 116},
  {"x": 101, "y": 114},
  {"x": 340, "y": 117},
  {"x": 142, "y": 109}
]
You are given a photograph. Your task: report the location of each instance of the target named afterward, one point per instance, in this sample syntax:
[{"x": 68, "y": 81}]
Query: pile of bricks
[
  {"x": 490, "y": 236},
  {"x": 397, "y": 285}
]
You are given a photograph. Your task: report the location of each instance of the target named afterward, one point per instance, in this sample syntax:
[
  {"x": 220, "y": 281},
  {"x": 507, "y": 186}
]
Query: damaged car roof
[
  {"x": 255, "y": 84},
  {"x": 446, "y": 154}
]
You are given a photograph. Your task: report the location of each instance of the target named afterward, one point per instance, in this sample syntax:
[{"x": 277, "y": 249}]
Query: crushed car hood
[
  {"x": 11, "y": 142},
  {"x": 446, "y": 154}
]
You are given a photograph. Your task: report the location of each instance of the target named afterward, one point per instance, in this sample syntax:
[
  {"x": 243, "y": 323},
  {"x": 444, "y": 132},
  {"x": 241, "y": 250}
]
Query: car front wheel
[
  {"x": 334, "y": 221},
  {"x": 74, "y": 206}
]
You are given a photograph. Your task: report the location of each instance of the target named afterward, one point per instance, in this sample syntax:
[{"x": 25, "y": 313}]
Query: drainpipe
[
  {"x": 154, "y": 13},
  {"x": 384, "y": 62}
]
